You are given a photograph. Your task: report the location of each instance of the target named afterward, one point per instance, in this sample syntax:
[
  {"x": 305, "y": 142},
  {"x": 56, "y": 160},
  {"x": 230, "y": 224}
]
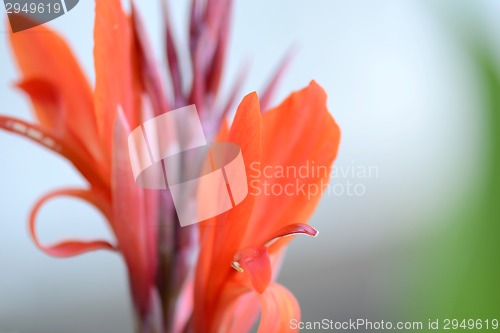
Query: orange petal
[
  {"x": 223, "y": 131},
  {"x": 71, "y": 247},
  {"x": 47, "y": 98},
  {"x": 279, "y": 307},
  {"x": 241, "y": 315},
  {"x": 220, "y": 237},
  {"x": 53, "y": 74},
  {"x": 113, "y": 68},
  {"x": 255, "y": 263},
  {"x": 299, "y": 132},
  {"x": 245, "y": 132}
]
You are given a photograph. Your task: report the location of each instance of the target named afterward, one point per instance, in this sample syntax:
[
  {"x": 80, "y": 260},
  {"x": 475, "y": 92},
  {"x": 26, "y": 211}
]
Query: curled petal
[
  {"x": 255, "y": 263},
  {"x": 70, "y": 247},
  {"x": 293, "y": 230},
  {"x": 279, "y": 307}
]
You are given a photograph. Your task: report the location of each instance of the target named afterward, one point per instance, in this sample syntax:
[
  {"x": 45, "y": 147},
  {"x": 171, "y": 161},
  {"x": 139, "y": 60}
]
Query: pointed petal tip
[
  {"x": 293, "y": 230},
  {"x": 253, "y": 96},
  {"x": 315, "y": 86}
]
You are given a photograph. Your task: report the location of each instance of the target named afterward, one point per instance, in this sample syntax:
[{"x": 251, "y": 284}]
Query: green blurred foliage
[{"x": 455, "y": 273}]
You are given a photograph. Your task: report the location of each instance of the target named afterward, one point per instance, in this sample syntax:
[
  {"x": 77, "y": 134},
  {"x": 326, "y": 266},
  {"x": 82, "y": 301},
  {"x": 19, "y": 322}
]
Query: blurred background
[{"x": 411, "y": 228}]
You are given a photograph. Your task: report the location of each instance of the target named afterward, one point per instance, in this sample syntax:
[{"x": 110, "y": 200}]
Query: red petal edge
[
  {"x": 292, "y": 230},
  {"x": 70, "y": 247}
]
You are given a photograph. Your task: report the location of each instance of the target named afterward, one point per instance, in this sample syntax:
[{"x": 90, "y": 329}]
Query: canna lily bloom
[
  {"x": 89, "y": 129},
  {"x": 239, "y": 252}
]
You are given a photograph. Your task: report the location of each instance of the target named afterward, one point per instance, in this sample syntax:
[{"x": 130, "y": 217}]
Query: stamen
[{"x": 237, "y": 266}]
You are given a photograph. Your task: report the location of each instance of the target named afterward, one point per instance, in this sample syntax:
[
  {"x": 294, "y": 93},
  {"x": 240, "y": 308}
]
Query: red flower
[
  {"x": 251, "y": 237},
  {"x": 240, "y": 250}
]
